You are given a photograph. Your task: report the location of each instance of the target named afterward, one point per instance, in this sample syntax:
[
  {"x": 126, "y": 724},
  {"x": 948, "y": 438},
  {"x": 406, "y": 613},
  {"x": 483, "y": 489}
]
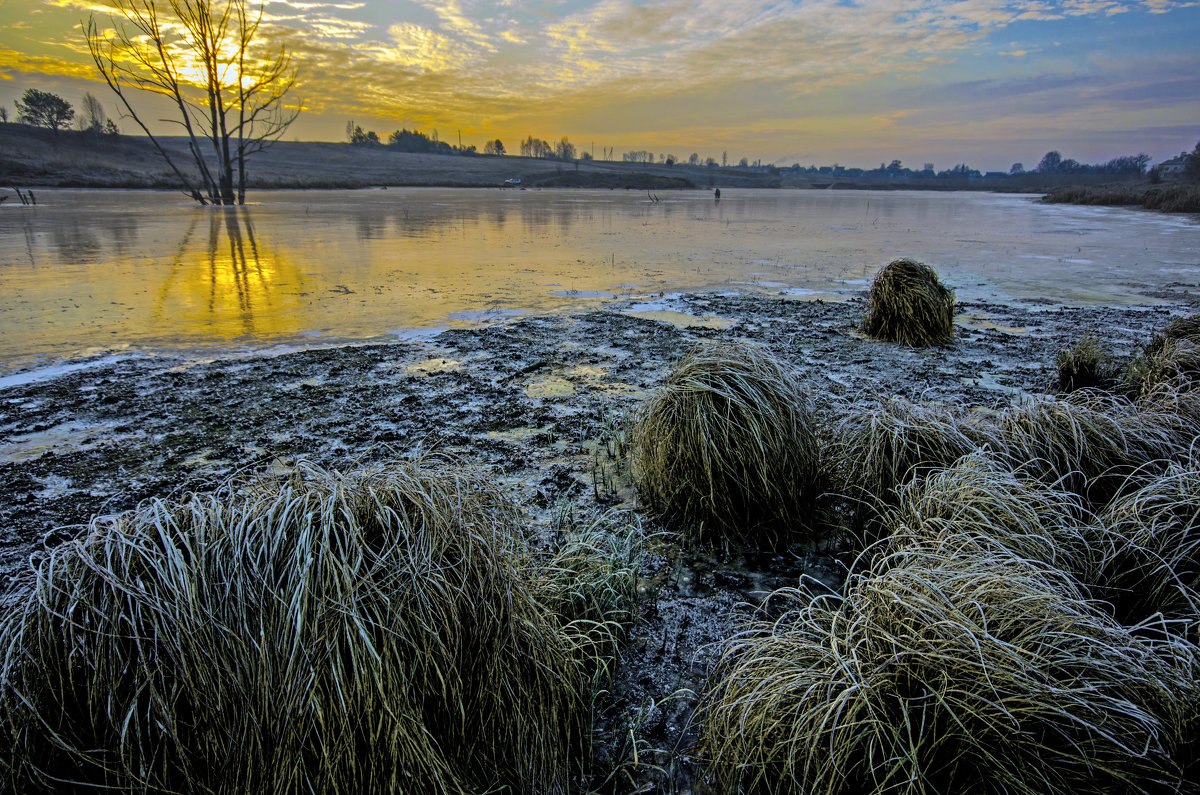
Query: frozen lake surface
[{"x": 95, "y": 272}]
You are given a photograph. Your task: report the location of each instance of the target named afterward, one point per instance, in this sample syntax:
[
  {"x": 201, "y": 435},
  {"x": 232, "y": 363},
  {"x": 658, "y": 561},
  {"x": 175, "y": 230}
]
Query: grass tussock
[
  {"x": 979, "y": 498},
  {"x": 725, "y": 450},
  {"x": 1175, "y": 409},
  {"x": 899, "y": 441},
  {"x": 1151, "y": 543},
  {"x": 1088, "y": 364},
  {"x": 1171, "y": 359},
  {"x": 1091, "y": 444},
  {"x": 373, "y": 631},
  {"x": 1167, "y": 362},
  {"x": 946, "y": 672},
  {"x": 910, "y": 305},
  {"x": 588, "y": 580}
]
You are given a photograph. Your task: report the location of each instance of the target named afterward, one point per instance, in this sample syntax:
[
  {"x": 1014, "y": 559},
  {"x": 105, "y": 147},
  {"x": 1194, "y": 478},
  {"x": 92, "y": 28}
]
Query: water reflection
[
  {"x": 107, "y": 270},
  {"x": 228, "y": 282},
  {"x": 81, "y": 242}
]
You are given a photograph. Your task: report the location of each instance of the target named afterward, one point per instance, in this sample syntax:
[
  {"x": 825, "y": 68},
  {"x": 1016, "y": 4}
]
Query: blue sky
[{"x": 986, "y": 82}]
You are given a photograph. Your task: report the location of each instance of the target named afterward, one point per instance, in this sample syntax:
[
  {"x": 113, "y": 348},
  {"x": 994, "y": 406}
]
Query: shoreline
[{"x": 33, "y": 158}]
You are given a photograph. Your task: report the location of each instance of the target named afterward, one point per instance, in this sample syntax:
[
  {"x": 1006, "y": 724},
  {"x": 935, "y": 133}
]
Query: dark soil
[{"x": 538, "y": 403}]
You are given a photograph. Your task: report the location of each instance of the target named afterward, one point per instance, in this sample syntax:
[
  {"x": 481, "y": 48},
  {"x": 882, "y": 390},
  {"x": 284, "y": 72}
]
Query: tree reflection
[{"x": 229, "y": 283}]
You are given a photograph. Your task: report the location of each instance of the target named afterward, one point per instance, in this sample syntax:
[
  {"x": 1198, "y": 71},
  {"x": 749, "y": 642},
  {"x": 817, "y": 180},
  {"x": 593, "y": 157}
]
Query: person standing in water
[{"x": 716, "y": 193}]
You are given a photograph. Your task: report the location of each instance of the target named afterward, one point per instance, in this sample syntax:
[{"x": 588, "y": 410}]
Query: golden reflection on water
[{"x": 229, "y": 282}]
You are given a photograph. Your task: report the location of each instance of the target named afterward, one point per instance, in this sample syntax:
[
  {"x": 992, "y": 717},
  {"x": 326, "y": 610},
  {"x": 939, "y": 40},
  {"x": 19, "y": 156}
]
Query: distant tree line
[
  {"x": 405, "y": 141},
  {"x": 1055, "y": 163},
  {"x": 1052, "y": 163}
]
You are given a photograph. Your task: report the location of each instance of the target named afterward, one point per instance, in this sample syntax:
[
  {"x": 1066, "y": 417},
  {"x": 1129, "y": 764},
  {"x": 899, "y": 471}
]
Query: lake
[{"x": 91, "y": 272}]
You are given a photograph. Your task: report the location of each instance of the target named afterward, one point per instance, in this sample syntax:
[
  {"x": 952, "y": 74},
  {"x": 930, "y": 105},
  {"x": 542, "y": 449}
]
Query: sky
[{"x": 852, "y": 82}]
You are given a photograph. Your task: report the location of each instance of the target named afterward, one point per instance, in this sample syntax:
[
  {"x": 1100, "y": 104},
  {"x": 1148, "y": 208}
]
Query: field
[{"x": 31, "y": 158}]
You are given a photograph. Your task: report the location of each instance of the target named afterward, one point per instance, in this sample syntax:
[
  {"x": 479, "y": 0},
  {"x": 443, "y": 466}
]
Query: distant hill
[{"x": 34, "y": 157}]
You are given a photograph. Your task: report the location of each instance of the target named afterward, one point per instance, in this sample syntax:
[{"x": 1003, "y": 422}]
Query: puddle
[
  {"x": 673, "y": 317},
  {"x": 549, "y": 386},
  {"x": 70, "y": 436},
  {"x": 589, "y": 372},
  {"x": 431, "y": 366},
  {"x": 981, "y": 321}
]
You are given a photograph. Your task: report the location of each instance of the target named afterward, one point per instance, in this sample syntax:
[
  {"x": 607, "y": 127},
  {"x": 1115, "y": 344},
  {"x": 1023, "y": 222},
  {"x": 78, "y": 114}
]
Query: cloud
[{"x": 670, "y": 69}]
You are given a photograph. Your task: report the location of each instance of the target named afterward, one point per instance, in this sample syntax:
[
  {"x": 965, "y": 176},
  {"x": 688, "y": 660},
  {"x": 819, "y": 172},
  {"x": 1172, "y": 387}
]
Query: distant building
[{"x": 1174, "y": 167}]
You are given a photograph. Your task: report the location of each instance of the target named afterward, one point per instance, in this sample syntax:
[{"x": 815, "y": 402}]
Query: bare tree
[
  {"x": 203, "y": 56},
  {"x": 564, "y": 149},
  {"x": 92, "y": 117}
]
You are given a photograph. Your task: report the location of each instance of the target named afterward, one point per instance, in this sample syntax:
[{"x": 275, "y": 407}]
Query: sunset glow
[{"x": 988, "y": 82}]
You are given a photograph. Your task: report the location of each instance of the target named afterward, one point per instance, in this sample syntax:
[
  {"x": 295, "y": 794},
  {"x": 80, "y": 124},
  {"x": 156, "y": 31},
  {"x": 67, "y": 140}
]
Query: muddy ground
[{"x": 535, "y": 402}]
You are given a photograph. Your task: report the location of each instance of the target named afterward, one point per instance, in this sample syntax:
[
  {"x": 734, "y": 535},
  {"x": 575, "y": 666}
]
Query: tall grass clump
[
  {"x": 1175, "y": 410},
  {"x": 1151, "y": 544},
  {"x": 588, "y": 581},
  {"x": 724, "y": 449},
  {"x": 372, "y": 631},
  {"x": 1088, "y": 364},
  {"x": 979, "y": 498},
  {"x": 1174, "y": 362},
  {"x": 1172, "y": 358},
  {"x": 908, "y": 304},
  {"x": 886, "y": 446},
  {"x": 1090, "y": 444},
  {"x": 946, "y": 672}
]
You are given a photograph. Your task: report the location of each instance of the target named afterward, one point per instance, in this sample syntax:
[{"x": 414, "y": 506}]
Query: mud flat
[{"x": 540, "y": 403}]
